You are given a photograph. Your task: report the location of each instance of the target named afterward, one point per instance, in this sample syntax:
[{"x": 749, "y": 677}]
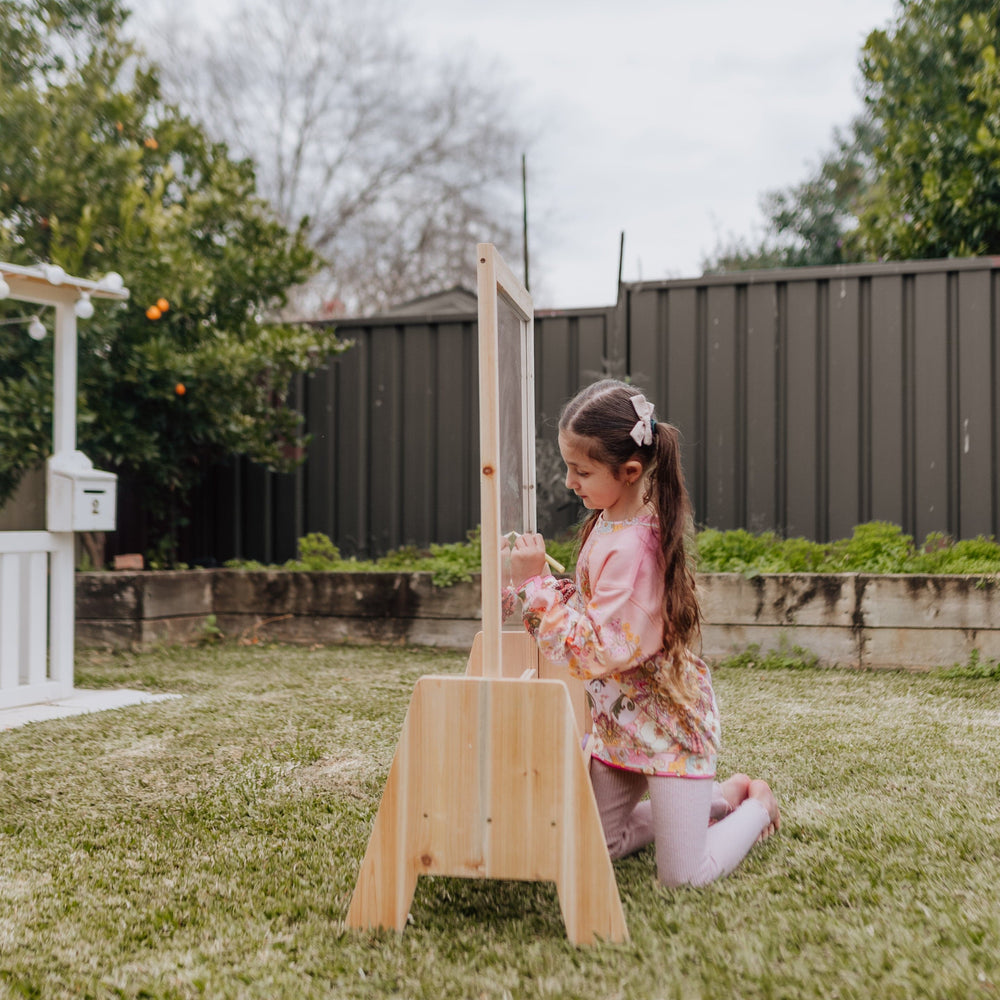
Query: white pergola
[{"x": 37, "y": 599}]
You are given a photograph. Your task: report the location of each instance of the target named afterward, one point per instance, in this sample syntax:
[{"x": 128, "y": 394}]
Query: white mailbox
[{"x": 80, "y": 497}]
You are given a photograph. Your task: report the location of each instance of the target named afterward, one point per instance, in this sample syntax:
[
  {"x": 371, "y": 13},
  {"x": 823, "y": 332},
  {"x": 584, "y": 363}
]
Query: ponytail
[{"x": 668, "y": 496}]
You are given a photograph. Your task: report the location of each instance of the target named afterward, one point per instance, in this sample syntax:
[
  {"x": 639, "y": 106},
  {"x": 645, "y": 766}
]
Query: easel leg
[{"x": 488, "y": 782}]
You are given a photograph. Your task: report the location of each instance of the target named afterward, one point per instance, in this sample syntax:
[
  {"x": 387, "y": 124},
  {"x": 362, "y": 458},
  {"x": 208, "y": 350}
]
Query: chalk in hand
[{"x": 554, "y": 563}]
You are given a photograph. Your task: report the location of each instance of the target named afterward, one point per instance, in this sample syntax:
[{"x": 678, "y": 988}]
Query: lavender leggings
[{"x": 676, "y": 817}]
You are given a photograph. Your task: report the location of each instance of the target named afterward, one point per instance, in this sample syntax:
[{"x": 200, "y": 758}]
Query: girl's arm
[
  {"x": 528, "y": 558},
  {"x": 617, "y": 630}
]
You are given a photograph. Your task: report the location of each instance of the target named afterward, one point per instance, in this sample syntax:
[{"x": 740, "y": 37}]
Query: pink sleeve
[
  {"x": 508, "y": 598},
  {"x": 617, "y": 630}
]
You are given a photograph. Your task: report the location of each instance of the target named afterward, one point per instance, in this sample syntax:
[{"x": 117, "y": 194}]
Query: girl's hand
[{"x": 527, "y": 558}]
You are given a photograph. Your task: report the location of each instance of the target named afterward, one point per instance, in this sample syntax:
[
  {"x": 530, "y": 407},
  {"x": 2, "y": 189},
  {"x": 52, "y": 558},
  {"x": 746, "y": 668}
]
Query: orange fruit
[
  {"x": 153, "y": 313},
  {"x": 180, "y": 389},
  {"x": 163, "y": 305}
]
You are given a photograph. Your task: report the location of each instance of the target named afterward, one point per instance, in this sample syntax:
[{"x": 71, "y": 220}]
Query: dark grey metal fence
[
  {"x": 816, "y": 398},
  {"x": 809, "y": 400}
]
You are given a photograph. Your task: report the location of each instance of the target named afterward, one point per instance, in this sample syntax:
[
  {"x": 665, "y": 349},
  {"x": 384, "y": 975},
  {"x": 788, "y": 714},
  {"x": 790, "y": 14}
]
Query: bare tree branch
[{"x": 395, "y": 166}]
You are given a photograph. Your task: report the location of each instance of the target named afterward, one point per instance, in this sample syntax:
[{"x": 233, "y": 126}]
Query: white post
[
  {"x": 62, "y": 622},
  {"x": 64, "y": 390}
]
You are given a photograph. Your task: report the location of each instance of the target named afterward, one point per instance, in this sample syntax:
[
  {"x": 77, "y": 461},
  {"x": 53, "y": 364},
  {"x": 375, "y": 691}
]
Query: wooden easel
[{"x": 488, "y": 779}]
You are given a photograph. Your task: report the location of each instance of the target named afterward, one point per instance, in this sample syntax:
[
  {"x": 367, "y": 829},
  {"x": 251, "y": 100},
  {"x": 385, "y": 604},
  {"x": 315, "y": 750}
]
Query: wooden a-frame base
[{"x": 488, "y": 781}]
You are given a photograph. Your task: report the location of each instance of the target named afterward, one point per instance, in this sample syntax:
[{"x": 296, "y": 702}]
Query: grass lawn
[{"x": 208, "y": 846}]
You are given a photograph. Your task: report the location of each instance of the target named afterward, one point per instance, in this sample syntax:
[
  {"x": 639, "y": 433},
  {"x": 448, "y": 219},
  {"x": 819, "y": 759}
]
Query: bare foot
[
  {"x": 761, "y": 791},
  {"x": 735, "y": 789}
]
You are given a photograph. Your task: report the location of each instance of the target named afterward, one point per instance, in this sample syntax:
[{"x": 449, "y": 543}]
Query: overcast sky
[{"x": 665, "y": 119}]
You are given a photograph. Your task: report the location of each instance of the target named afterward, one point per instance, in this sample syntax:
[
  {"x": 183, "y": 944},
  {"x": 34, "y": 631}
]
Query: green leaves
[
  {"x": 933, "y": 87},
  {"x": 874, "y": 547},
  {"x": 98, "y": 174}
]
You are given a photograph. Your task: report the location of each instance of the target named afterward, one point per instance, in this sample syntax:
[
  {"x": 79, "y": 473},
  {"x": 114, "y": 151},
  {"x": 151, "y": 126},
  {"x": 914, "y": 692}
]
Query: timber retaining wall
[{"x": 847, "y": 620}]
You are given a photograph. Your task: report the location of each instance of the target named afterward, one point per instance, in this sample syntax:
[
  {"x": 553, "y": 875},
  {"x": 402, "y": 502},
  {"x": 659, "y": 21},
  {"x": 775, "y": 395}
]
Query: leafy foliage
[
  {"x": 449, "y": 563},
  {"x": 932, "y": 84},
  {"x": 874, "y": 547},
  {"x": 975, "y": 668},
  {"x": 785, "y": 657},
  {"x": 97, "y": 173}
]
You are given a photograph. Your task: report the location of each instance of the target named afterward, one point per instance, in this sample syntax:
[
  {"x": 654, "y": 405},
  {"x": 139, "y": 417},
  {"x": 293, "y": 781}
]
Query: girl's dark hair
[{"x": 603, "y": 415}]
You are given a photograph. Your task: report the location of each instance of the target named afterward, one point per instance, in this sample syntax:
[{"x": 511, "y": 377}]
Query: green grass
[{"x": 208, "y": 846}]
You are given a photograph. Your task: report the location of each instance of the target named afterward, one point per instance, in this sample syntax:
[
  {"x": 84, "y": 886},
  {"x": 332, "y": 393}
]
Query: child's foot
[
  {"x": 761, "y": 791},
  {"x": 727, "y": 795},
  {"x": 735, "y": 789}
]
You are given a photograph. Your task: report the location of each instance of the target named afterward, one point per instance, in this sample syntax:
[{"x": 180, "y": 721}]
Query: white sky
[{"x": 667, "y": 119}]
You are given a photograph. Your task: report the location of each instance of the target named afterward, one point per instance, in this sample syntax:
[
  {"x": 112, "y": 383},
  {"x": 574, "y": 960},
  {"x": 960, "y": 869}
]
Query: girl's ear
[{"x": 632, "y": 471}]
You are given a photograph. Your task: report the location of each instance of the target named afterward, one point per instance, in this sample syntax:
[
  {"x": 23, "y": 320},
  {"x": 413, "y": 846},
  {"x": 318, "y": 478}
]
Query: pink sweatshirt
[{"x": 608, "y": 629}]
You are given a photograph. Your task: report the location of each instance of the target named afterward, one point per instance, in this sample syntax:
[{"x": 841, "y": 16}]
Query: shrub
[{"x": 874, "y": 547}]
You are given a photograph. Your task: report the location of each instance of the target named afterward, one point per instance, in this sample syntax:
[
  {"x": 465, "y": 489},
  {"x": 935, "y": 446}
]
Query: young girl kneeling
[{"x": 625, "y": 629}]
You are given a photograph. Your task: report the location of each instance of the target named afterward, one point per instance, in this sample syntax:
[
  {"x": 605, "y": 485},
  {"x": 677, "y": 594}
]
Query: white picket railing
[{"x": 36, "y": 617}]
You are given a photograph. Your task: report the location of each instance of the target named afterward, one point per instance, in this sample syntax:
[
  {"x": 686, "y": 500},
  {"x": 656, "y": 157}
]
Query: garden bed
[{"x": 843, "y": 619}]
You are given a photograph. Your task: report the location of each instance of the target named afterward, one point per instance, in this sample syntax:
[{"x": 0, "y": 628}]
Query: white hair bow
[{"x": 642, "y": 433}]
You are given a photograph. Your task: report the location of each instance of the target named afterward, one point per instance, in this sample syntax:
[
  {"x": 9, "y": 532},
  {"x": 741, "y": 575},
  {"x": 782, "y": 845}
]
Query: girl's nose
[{"x": 569, "y": 480}]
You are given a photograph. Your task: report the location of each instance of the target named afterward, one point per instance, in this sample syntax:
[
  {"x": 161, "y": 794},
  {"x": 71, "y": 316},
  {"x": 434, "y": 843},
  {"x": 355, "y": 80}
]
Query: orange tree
[{"x": 97, "y": 173}]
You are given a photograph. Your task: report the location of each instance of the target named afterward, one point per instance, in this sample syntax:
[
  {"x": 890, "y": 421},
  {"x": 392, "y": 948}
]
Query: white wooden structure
[{"x": 37, "y": 599}]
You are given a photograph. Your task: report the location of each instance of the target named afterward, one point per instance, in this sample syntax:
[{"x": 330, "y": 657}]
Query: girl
[{"x": 625, "y": 629}]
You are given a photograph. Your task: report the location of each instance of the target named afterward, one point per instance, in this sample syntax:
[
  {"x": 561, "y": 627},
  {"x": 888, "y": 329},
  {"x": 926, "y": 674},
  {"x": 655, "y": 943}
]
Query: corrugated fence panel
[
  {"x": 887, "y": 430},
  {"x": 677, "y": 395},
  {"x": 931, "y": 396},
  {"x": 843, "y": 409},
  {"x": 808, "y": 400},
  {"x": 348, "y": 451},
  {"x": 383, "y": 463},
  {"x": 555, "y": 369},
  {"x": 721, "y": 452},
  {"x": 761, "y": 411},
  {"x": 802, "y": 396},
  {"x": 594, "y": 350},
  {"x": 455, "y": 471},
  {"x": 976, "y": 414},
  {"x": 419, "y": 458}
]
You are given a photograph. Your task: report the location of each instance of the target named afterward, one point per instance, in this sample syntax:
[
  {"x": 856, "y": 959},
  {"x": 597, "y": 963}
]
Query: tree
[
  {"x": 932, "y": 87},
  {"x": 811, "y": 223},
  {"x": 395, "y": 169},
  {"x": 98, "y": 173}
]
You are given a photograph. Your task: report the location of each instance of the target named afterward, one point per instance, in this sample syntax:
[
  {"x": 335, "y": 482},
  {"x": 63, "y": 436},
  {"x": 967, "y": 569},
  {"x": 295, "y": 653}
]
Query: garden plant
[{"x": 874, "y": 547}]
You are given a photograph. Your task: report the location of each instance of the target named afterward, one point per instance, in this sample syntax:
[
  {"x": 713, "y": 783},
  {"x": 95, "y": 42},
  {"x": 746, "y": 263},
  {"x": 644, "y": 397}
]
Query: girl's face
[{"x": 594, "y": 482}]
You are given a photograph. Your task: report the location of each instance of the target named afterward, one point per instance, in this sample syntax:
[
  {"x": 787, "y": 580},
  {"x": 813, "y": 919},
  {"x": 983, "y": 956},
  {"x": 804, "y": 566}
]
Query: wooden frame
[
  {"x": 488, "y": 779},
  {"x": 498, "y": 288}
]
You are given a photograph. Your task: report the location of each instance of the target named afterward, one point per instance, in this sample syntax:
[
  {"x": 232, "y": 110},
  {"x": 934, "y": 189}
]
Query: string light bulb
[
  {"x": 36, "y": 329},
  {"x": 84, "y": 308},
  {"x": 54, "y": 274},
  {"x": 112, "y": 281}
]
